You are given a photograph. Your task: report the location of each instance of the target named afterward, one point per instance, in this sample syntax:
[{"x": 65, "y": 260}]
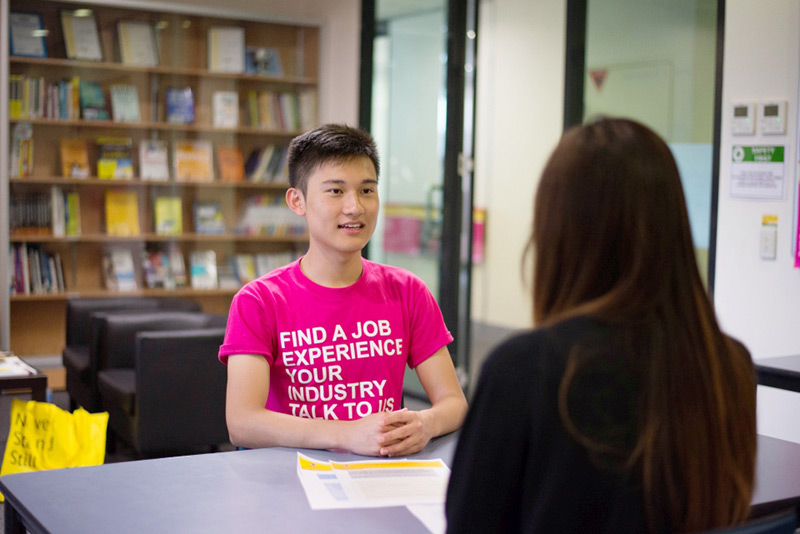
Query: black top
[{"x": 516, "y": 469}]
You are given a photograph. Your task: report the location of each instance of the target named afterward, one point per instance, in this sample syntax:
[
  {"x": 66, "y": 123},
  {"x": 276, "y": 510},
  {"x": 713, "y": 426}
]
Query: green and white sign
[{"x": 757, "y": 172}]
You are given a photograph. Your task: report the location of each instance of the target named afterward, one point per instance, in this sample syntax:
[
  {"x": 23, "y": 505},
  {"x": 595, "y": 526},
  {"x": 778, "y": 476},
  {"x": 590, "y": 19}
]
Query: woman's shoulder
[{"x": 546, "y": 345}]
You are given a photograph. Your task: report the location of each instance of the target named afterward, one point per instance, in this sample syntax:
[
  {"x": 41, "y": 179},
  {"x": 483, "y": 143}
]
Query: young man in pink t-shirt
[{"x": 316, "y": 350}]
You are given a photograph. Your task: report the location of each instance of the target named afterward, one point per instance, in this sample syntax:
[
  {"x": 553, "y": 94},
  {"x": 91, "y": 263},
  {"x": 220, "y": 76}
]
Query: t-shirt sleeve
[
  {"x": 251, "y": 328},
  {"x": 428, "y": 330}
]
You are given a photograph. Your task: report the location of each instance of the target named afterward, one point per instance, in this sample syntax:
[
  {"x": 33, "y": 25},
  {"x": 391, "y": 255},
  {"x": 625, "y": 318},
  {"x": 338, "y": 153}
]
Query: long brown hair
[{"x": 612, "y": 241}]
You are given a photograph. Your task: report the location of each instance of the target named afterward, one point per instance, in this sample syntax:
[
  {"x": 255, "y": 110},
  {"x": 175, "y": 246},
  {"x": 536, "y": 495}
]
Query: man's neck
[{"x": 331, "y": 270}]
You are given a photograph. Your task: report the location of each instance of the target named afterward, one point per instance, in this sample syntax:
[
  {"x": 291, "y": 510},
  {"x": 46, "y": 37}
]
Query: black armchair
[
  {"x": 161, "y": 382},
  {"x": 81, "y": 379}
]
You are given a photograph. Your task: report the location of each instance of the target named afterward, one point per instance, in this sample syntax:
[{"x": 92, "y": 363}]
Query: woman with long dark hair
[{"x": 626, "y": 409}]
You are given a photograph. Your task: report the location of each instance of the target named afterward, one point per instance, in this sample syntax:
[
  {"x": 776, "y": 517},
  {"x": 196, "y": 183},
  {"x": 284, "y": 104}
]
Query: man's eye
[
  {"x": 334, "y": 191},
  {"x": 367, "y": 190}
]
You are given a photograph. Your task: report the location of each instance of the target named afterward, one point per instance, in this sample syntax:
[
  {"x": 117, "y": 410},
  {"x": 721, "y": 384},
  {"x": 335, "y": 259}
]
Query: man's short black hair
[{"x": 330, "y": 142}]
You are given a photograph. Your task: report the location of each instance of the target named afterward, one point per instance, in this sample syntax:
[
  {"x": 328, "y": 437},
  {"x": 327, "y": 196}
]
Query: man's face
[{"x": 340, "y": 205}]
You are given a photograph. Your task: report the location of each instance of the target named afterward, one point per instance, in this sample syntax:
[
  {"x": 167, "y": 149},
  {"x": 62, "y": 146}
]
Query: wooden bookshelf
[{"x": 37, "y": 317}]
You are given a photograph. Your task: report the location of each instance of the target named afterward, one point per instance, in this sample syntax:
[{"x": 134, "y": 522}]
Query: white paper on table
[
  {"x": 431, "y": 515},
  {"x": 372, "y": 483}
]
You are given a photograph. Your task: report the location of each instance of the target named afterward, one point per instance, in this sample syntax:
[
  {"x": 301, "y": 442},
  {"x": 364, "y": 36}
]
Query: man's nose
[{"x": 352, "y": 204}]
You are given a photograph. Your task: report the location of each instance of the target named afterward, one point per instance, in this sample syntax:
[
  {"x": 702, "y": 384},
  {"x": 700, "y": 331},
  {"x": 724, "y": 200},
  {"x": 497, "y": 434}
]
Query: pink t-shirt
[{"x": 336, "y": 353}]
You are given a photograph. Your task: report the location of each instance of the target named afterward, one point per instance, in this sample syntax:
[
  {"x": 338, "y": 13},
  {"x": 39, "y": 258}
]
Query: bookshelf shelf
[
  {"x": 239, "y": 124},
  {"x": 166, "y": 126},
  {"x": 137, "y": 182},
  {"x": 110, "y": 66}
]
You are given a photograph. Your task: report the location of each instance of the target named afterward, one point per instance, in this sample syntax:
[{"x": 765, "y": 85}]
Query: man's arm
[
  {"x": 250, "y": 425},
  {"x": 413, "y": 430}
]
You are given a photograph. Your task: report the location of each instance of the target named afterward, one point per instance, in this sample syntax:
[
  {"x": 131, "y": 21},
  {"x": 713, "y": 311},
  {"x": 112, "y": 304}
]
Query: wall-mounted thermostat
[
  {"x": 772, "y": 117},
  {"x": 743, "y": 119}
]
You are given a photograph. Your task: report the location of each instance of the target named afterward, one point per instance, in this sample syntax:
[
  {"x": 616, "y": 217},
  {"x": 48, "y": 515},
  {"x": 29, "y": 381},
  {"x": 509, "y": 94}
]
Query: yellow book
[
  {"x": 193, "y": 161},
  {"x": 73, "y": 214},
  {"x": 122, "y": 213},
  {"x": 74, "y": 158},
  {"x": 169, "y": 215}
]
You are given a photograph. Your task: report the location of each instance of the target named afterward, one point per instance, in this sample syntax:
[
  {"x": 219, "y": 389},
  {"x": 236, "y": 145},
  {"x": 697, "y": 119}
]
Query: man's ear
[{"x": 296, "y": 201}]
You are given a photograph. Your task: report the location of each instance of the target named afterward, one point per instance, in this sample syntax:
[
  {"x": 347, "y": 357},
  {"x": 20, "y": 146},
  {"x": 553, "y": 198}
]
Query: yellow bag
[{"x": 43, "y": 436}]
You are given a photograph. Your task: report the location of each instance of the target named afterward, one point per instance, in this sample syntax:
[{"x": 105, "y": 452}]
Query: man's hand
[{"x": 405, "y": 432}]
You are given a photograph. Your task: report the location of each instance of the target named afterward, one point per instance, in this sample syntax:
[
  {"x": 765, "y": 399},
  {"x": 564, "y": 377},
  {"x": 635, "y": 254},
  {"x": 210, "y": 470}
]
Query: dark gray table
[
  {"x": 241, "y": 491},
  {"x": 782, "y": 372},
  {"x": 257, "y": 491}
]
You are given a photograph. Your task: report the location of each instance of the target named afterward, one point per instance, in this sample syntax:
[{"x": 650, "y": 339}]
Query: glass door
[{"x": 417, "y": 114}]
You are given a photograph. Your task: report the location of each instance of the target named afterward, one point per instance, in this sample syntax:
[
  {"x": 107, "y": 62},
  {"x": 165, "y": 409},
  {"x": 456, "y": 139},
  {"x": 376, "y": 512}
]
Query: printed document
[{"x": 372, "y": 483}]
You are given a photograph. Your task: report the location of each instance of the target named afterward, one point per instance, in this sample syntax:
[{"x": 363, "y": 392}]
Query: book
[
  {"x": 26, "y": 35},
  {"x": 307, "y": 101},
  {"x": 13, "y": 366},
  {"x": 153, "y": 160},
  {"x": 118, "y": 269},
  {"x": 231, "y": 163},
  {"x": 58, "y": 215},
  {"x": 226, "y": 49},
  {"x": 122, "y": 213},
  {"x": 125, "y": 103},
  {"x": 193, "y": 160},
  {"x": 168, "y": 212},
  {"x": 268, "y": 214},
  {"x": 81, "y": 39},
  {"x": 177, "y": 266},
  {"x": 265, "y": 61},
  {"x": 226, "y": 276},
  {"x": 93, "y": 101},
  {"x": 72, "y": 215},
  {"x": 137, "y": 43},
  {"x": 22, "y": 150},
  {"x": 114, "y": 158},
  {"x": 225, "y": 107},
  {"x": 208, "y": 218},
  {"x": 180, "y": 105},
  {"x": 74, "y": 157},
  {"x": 155, "y": 265},
  {"x": 203, "y": 269},
  {"x": 245, "y": 267}
]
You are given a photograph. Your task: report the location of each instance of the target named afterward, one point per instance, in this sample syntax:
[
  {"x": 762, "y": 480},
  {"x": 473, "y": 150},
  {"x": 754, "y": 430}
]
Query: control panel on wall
[
  {"x": 772, "y": 117},
  {"x": 743, "y": 118}
]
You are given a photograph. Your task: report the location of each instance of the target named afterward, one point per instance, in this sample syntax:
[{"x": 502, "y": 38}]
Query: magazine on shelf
[
  {"x": 265, "y": 61},
  {"x": 203, "y": 269},
  {"x": 114, "y": 158},
  {"x": 193, "y": 160},
  {"x": 153, "y": 160},
  {"x": 74, "y": 157},
  {"x": 22, "y": 150},
  {"x": 155, "y": 265},
  {"x": 226, "y": 49},
  {"x": 208, "y": 218},
  {"x": 122, "y": 213},
  {"x": 137, "y": 43},
  {"x": 125, "y": 103},
  {"x": 177, "y": 266},
  {"x": 230, "y": 163},
  {"x": 93, "y": 101},
  {"x": 225, "y": 108},
  {"x": 118, "y": 269},
  {"x": 81, "y": 39},
  {"x": 26, "y": 35},
  {"x": 180, "y": 105},
  {"x": 168, "y": 215}
]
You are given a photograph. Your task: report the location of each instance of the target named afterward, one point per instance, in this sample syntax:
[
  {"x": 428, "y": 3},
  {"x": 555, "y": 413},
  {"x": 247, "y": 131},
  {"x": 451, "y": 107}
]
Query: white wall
[
  {"x": 758, "y": 301},
  {"x": 520, "y": 94}
]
